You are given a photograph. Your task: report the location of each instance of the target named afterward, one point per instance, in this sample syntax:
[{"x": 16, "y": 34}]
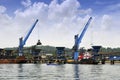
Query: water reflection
[
  {"x": 58, "y": 72},
  {"x": 96, "y": 70},
  {"x": 76, "y": 71},
  {"x": 20, "y": 68},
  {"x": 20, "y": 71}
]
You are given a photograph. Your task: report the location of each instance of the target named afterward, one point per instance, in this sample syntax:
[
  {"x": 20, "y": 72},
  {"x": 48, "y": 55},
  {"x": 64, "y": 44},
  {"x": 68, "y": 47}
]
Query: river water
[{"x": 59, "y": 72}]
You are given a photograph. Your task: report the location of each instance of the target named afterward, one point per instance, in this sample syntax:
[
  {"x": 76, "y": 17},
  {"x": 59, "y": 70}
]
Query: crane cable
[
  {"x": 38, "y": 33},
  {"x": 91, "y": 36},
  {"x": 38, "y": 43},
  {"x": 25, "y": 32}
]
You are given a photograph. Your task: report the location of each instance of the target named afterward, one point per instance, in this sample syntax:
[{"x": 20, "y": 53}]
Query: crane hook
[{"x": 39, "y": 43}]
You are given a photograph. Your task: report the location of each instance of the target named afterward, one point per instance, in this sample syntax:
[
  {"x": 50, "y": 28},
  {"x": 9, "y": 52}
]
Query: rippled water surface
[{"x": 59, "y": 72}]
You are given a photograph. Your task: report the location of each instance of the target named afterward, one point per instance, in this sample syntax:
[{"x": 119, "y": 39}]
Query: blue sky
[
  {"x": 59, "y": 21},
  {"x": 96, "y": 5},
  {"x": 12, "y": 5}
]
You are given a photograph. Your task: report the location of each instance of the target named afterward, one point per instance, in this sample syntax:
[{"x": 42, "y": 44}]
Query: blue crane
[
  {"x": 78, "y": 39},
  {"x": 22, "y": 41}
]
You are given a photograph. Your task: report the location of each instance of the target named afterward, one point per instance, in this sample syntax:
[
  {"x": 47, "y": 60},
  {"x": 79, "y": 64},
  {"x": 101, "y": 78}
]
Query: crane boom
[
  {"x": 25, "y": 39},
  {"x": 22, "y": 42},
  {"x": 78, "y": 39},
  {"x": 84, "y": 30}
]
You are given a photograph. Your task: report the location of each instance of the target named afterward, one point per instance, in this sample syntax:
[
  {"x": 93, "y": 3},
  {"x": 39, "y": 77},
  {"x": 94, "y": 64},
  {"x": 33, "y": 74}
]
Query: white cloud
[
  {"x": 106, "y": 22},
  {"x": 100, "y": 2},
  {"x": 85, "y": 12},
  {"x": 26, "y": 3},
  {"x": 2, "y": 9},
  {"x": 105, "y": 30},
  {"x": 67, "y": 9},
  {"x": 37, "y": 10},
  {"x": 58, "y": 23},
  {"x": 8, "y": 30},
  {"x": 114, "y": 7}
]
